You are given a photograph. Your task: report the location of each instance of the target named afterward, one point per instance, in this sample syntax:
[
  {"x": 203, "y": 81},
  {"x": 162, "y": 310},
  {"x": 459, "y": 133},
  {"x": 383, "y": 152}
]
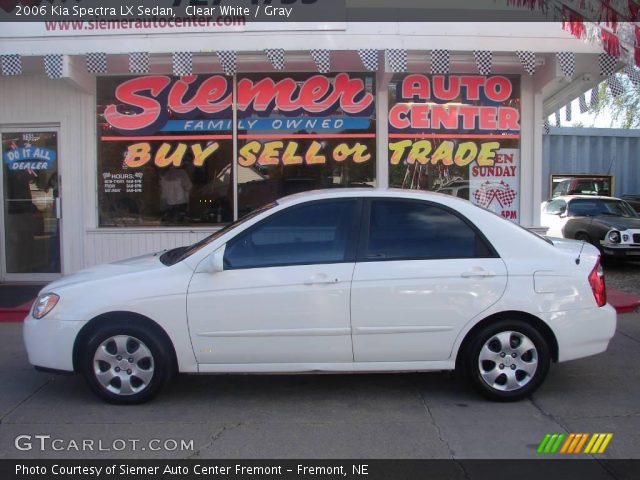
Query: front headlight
[
  {"x": 44, "y": 304},
  {"x": 614, "y": 236}
]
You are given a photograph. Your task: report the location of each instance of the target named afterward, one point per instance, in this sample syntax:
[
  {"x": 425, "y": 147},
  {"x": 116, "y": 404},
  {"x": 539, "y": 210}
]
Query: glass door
[{"x": 30, "y": 205}]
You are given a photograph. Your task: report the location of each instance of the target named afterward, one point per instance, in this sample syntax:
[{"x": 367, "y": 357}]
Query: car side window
[
  {"x": 316, "y": 232},
  {"x": 403, "y": 230},
  {"x": 555, "y": 207}
]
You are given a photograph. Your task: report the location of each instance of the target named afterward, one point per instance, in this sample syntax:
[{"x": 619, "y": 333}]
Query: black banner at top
[{"x": 329, "y": 11}]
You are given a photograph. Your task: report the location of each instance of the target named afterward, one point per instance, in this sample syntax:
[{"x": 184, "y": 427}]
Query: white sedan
[{"x": 332, "y": 281}]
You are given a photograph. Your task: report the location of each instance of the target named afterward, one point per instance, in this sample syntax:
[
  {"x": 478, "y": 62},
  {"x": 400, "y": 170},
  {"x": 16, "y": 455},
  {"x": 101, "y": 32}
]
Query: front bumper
[
  {"x": 49, "y": 343},
  {"x": 621, "y": 250},
  {"x": 584, "y": 332}
]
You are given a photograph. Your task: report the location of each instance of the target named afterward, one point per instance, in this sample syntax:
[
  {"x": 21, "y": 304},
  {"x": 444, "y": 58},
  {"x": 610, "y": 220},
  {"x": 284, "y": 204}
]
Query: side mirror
[{"x": 214, "y": 263}]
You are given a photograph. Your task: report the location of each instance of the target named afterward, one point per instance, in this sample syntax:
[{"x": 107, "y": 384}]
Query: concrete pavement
[{"x": 425, "y": 415}]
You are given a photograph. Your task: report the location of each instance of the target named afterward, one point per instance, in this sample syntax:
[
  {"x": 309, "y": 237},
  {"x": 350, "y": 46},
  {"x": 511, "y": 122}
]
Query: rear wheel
[
  {"x": 126, "y": 364},
  {"x": 507, "y": 360}
]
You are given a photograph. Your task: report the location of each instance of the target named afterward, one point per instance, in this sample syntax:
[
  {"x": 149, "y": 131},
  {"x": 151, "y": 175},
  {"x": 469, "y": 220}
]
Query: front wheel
[
  {"x": 507, "y": 360},
  {"x": 125, "y": 364}
]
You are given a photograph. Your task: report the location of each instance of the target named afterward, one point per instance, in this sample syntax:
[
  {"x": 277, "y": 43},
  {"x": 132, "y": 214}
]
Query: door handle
[
  {"x": 320, "y": 279},
  {"x": 477, "y": 272}
]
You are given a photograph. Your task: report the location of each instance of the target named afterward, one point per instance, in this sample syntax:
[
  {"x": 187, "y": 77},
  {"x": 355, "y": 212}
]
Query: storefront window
[
  {"x": 459, "y": 135},
  {"x": 164, "y": 150},
  {"x": 300, "y": 132}
]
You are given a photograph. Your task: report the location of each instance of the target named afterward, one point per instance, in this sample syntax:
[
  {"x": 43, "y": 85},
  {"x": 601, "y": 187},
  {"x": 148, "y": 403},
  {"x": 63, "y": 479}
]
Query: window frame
[
  {"x": 366, "y": 230},
  {"x": 353, "y": 233}
]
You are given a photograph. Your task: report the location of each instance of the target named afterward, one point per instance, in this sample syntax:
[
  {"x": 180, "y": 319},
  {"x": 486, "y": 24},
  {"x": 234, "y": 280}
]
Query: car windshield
[
  {"x": 593, "y": 207},
  {"x": 175, "y": 255}
]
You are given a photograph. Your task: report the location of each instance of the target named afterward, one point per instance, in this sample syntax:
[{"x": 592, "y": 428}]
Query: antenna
[{"x": 580, "y": 253}]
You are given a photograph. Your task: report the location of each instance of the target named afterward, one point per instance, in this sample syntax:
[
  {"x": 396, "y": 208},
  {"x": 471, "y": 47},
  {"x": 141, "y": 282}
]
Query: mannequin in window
[{"x": 175, "y": 187}]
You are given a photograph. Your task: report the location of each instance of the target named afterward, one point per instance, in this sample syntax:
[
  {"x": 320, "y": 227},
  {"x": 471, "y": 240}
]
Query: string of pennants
[{"x": 440, "y": 61}]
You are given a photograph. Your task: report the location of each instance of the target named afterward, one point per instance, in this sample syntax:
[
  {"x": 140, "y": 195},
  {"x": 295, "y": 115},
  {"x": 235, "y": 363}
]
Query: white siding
[{"x": 103, "y": 246}]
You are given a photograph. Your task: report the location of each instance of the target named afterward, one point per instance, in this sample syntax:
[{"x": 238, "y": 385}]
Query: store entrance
[{"x": 30, "y": 248}]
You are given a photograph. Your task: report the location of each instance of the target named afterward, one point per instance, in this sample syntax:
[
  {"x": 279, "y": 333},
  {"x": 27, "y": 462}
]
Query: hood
[
  {"x": 100, "y": 272},
  {"x": 619, "y": 223}
]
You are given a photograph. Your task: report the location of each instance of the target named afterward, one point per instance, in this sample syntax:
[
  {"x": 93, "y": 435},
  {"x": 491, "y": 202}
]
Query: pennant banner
[
  {"x": 528, "y": 60},
  {"x": 545, "y": 126},
  {"x": 583, "y": 103},
  {"x": 11, "y": 64},
  {"x": 228, "y": 60},
  {"x": 53, "y": 66},
  {"x": 369, "y": 59},
  {"x": 276, "y": 57},
  {"x": 182, "y": 63},
  {"x": 634, "y": 74},
  {"x": 595, "y": 97},
  {"x": 322, "y": 59},
  {"x": 96, "y": 62},
  {"x": 440, "y": 62},
  {"x": 397, "y": 60},
  {"x": 567, "y": 112},
  {"x": 607, "y": 64},
  {"x": 615, "y": 85},
  {"x": 567, "y": 62},
  {"x": 484, "y": 61},
  {"x": 557, "y": 115},
  {"x": 139, "y": 62}
]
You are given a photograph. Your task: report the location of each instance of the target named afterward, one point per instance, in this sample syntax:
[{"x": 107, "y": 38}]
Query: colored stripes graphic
[{"x": 574, "y": 442}]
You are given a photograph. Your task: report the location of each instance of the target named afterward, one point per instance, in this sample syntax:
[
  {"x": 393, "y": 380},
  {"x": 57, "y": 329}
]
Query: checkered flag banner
[
  {"x": 322, "y": 59},
  {"x": 228, "y": 60},
  {"x": 583, "y": 103},
  {"x": 53, "y": 65},
  {"x": 369, "y": 59},
  {"x": 440, "y": 62},
  {"x": 607, "y": 64},
  {"x": 96, "y": 62},
  {"x": 545, "y": 126},
  {"x": 139, "y": 62},
  {"x": 595, "y": 97},
  {"x": 182, "y": 63},
  {"x": 11, "y": 64},
  {"x": 615, "y": 85},
  {"x": 567, "y": 112},
  {"x": 484, "y": 61},
  {"x": 634, "y": 74},
  {"x": 557, "y": 115},
  {"x": 276, "y": 57},
  {"x": 397, "y": 60},
  {"x": 567, "y": 62},
  {"x": 528, "y": 60}
]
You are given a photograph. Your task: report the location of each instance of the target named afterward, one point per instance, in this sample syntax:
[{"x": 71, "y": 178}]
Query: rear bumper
[{"x": 584, "y": 332}]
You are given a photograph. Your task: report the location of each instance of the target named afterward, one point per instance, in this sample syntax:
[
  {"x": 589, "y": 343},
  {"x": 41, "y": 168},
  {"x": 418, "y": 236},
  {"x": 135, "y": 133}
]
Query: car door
[
  {"x": 423, "y": 272},
  {"x": 283, "y": 296}
]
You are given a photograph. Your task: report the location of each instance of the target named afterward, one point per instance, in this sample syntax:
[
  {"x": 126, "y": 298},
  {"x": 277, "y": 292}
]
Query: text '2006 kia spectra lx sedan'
[{"x": 355, "y": 280}]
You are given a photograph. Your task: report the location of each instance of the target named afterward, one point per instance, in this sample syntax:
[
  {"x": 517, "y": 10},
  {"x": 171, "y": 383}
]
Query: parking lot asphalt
[{"x": 411, "y": 415}]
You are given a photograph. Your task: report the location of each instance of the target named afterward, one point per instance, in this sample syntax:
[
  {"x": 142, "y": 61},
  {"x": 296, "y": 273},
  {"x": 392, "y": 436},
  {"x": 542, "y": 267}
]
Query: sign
[
  {"x": 29, "y": 151},
  {"x": 496, "y": 187}
]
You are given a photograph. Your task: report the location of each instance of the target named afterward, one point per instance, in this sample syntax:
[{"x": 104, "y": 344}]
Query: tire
[
  {"x": 493, "y": 370},
  {"x": 126, "y": 364}
]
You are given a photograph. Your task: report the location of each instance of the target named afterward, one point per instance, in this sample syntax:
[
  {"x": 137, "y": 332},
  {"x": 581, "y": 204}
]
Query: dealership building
[{"x": 120, "y": 139}]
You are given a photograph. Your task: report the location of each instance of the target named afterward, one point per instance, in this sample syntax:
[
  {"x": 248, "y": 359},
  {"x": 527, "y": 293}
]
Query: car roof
[
  {"x": 365, "y": 192},
  {"x": 586, "y": 197}
]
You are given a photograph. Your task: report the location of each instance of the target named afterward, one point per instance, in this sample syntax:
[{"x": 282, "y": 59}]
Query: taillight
[{"x": 596, "y": 280}]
